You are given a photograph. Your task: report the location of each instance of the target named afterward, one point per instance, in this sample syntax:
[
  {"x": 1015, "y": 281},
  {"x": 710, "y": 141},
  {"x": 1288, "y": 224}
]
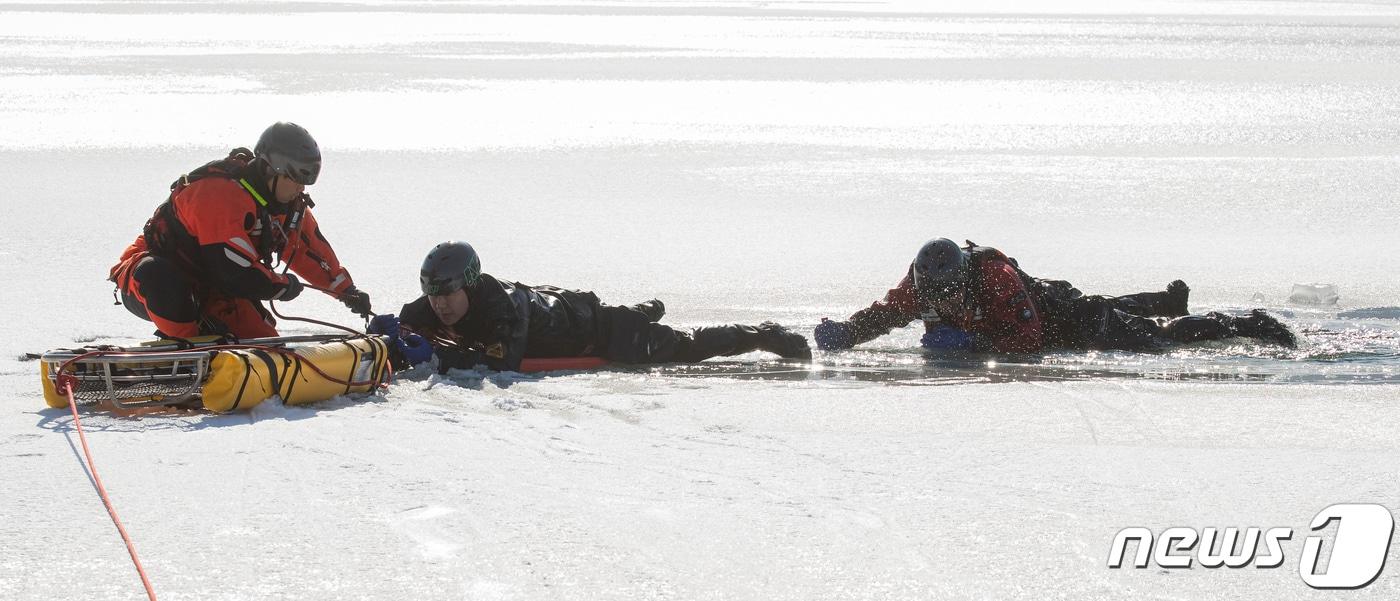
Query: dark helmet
[
  {"x": 939, "y": 268},
  {"x": 290, "y": 150},
  {"x": 449, "y": 267}
]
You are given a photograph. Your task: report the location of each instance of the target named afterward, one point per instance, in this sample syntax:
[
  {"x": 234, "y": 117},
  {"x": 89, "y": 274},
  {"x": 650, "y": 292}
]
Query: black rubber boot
[
  {"x": 786, "y": 344},
  {"x": 1259, "y": 324},
  {"x": 1178, "y": 294},
  {"x": 735, "y": 339},
  {"x": 654, "y": 309}
]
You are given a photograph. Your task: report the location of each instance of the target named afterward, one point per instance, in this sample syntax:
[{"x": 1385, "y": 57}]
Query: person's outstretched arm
[{"x": 897, "y": 309}]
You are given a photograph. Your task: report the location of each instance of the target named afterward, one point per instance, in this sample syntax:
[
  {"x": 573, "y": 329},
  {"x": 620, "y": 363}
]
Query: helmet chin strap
[{"x": 273, "y": 187}]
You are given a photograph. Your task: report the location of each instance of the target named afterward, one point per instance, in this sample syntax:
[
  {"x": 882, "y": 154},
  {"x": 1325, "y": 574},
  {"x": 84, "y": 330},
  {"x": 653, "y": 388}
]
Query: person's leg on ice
[
  {"x": 1170, "y": 303},
  {"x": 1258, "y": 325},
  {"x": 631, "y": 337},
  {"x": 1104, "y": 327},
  {"x": 737, "y": 339}
]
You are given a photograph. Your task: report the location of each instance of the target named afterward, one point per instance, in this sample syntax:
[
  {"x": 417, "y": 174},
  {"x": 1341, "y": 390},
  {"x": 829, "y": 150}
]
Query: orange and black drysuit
[{"x": 204, "y": 261}]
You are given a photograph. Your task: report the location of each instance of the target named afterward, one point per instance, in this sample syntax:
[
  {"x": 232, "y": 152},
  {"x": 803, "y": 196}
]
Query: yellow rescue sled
[{"x": 216, "y": 376}]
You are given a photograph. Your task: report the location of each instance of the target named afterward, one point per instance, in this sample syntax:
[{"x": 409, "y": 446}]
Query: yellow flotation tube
[
  {"x": 225, "y": 379},
  {"x": 241, "y": 379}
]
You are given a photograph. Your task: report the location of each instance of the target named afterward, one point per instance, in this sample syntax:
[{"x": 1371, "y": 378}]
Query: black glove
[
  {"x": 451, "y": 357},
  {"x": 356, "y": 300},
  {"x": 290, "y": 290}
]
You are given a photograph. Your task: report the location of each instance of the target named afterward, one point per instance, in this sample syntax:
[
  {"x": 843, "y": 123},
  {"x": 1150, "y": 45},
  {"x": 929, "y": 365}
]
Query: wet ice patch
[{"x": 1370, "y": 313}]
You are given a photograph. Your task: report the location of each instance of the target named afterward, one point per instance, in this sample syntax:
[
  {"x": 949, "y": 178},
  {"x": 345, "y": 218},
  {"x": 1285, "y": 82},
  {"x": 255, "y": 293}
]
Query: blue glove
[
  {"x": 833, "y": 335},
  {"x": 415, "y": 349},
  {"x": 384, "y": 325},
  {"x": 948, "y": 338}
]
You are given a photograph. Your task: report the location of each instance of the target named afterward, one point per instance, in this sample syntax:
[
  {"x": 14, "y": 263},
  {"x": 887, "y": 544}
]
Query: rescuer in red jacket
[
  {"x": 976, "y": 298},
  {"x": 204, "y": 262}
]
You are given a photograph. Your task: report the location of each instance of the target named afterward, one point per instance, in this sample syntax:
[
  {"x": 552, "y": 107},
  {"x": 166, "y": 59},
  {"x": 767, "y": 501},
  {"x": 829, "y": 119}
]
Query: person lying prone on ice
[
  {"x": 467, "y": 318},
  {"x": 978, "y": 299}
]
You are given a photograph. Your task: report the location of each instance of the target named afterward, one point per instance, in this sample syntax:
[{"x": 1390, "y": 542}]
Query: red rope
[
  {"x": 273, "y": 306},
  {"x": 308, "y": 362},
  {"x": 66, "y": 383}
]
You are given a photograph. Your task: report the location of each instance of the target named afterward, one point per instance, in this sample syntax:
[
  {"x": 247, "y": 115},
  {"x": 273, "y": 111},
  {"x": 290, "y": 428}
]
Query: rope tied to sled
[{"x": 67, "y": 384}]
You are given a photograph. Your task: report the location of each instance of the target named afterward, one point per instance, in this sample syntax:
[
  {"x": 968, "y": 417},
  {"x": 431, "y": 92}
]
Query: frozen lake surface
[{"x": 741, "y": 161}]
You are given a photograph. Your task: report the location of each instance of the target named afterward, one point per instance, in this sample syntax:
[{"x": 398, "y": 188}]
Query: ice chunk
[{"x": 1313, "y": 294}]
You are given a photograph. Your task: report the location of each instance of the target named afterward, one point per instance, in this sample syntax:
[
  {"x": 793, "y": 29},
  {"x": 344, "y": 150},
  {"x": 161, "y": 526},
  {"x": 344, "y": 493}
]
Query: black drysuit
[
  {"x": 1135, "y": 322},
  {"x": 510, "y": 321}
]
